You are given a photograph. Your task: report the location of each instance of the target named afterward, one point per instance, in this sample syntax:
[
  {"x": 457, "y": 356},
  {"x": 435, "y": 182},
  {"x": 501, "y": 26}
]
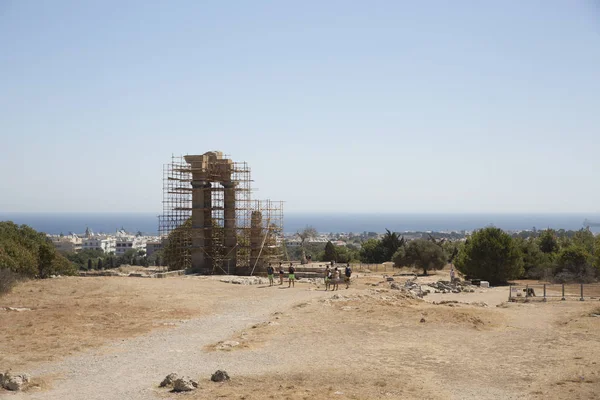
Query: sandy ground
[{"x": 367, "y": 342}]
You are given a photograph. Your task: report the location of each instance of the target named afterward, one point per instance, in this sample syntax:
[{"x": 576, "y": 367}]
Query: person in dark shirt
[
  {"x": 347, "y": 273},
  {"x": 292, "y": 276},
  {"x": 270, "y": 274}
]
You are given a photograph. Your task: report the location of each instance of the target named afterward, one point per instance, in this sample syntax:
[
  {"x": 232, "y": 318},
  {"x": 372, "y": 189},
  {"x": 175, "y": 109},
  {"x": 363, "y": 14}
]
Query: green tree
[
  {"x": 330, "y": 252},
  {"x": 99, "y": 265},
  {"x": 348, "y": 253},
  {"x": 535, "y": 261},
  {"x": 490, "y": 254},
  {"x": 596, "y": 255},
  {"x": 398, "y": 257},
  {"x": 574, "y": 263},
  {"x": 372, "y": 252},
  {"x": 390, "y": 242},
  {"x": 422, "y": 254},
  {"x": 548, "y": 241},
  {"x": 89, "y": 264},
  {"x": 27, "y": 252},
  {"x": 46, "y": 256},
  {"x": 585, "y": 239}
]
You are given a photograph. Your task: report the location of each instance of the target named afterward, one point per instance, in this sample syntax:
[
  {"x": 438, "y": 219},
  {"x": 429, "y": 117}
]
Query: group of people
[
  {"x": 291, "y": 274},
  {"x": 331, "y": 276}
]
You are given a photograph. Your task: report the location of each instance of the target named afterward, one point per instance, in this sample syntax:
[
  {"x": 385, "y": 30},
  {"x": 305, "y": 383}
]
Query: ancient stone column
[
  {"x": 229, "y": 224},
  {"x": 256, "y": 238},
  {"x": 207, "y": 268},
  {"x": 198, "y": 223}
]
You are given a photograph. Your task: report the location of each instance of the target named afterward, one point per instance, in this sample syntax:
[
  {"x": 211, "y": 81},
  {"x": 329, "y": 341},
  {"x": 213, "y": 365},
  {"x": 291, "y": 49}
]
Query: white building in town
[
  {"x": 104, "y": 243},
  {"x": 125, "y": 242},
  {"x": 69, "y": 243}
]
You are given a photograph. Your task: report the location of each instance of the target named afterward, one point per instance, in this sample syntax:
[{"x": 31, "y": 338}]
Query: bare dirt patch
[
  {"x": 368, "y": 342},
  {"x": 374, "y": 343},
  {"x": 71, "y": 314}
]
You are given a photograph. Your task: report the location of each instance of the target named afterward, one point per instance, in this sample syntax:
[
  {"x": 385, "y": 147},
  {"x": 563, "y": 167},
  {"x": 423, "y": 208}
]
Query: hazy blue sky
[{"x": 386, "y": 106}]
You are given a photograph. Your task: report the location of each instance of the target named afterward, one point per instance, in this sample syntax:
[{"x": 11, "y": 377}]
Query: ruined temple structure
[{"x": 210, "y": 223}]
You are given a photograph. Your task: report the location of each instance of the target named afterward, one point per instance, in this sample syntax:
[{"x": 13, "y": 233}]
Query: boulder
[
  {"x": 219, "y": 376},
  {"x": 184, "y": 384},
  {"x": 14, "y": 382},
  {"x": 169, "y": 380}
]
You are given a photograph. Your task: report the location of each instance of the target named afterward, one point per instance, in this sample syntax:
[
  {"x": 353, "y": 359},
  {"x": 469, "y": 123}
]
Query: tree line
[
  {"x": 89, "y": 259},
  {"x": 29, "y": 253},
  {"x": 496, "y": 256}
]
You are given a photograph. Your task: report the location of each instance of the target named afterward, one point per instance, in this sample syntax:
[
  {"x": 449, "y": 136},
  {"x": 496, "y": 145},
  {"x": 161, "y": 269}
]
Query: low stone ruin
[
  {"x": 244, "y": 280},
  {"x": 451, "y": 287},
  {"x": 419, "y": 290},
  {"x": 14, "y": 382},
  {"x": 410, "y": 287}
]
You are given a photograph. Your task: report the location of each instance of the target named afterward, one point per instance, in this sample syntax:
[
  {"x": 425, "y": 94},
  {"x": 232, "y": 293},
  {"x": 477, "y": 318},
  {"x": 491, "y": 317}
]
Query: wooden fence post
[{"x": 544, "y": 292}]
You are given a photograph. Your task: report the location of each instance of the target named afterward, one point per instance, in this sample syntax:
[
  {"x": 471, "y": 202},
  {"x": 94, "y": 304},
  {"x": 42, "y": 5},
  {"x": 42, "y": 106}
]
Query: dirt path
[{"x": 131, "y": 369}]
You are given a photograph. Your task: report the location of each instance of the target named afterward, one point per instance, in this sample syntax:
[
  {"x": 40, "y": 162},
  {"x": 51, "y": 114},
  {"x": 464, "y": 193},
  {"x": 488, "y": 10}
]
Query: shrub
[
  {"x": 27, "y": 252},
  {"x": 8, "y": 280}
]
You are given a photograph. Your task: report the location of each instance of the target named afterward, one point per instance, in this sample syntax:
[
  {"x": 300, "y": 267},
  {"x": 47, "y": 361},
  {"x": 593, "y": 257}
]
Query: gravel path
[{"x": 132, "y": 369}]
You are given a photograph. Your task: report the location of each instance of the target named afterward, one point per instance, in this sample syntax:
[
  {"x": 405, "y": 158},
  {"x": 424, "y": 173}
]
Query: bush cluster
[{"x": 30, "y": 253}]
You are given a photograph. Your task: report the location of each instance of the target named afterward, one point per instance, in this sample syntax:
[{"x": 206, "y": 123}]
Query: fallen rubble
[{"x": 14, "y": 382}]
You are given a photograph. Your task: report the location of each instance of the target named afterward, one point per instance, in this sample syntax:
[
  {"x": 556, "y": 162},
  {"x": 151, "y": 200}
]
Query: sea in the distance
[{"x": 56, "y": 223}]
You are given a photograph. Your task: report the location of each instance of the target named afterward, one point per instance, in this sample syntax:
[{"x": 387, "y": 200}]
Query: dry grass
[
  {"x": 372, "y": 346},
  {"x": 362, "y": 343},
  {"x": 321, "y": 384},
  {"x": 72, "y": 314}
]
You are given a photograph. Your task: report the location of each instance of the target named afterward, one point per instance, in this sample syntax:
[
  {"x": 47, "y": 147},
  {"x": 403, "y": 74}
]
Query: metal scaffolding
[{"x": 210, "y": 223}]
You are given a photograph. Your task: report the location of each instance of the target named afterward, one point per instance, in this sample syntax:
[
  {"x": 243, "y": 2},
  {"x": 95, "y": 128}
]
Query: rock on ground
[
  {"x": 184, "y": 384},
  {"x": 219, "y": 376},
  {"x": 13, "y": 382},
  {"x": 169, "y": 380}
]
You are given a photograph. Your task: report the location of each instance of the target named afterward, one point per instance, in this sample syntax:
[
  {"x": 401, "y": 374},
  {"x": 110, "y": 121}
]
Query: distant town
[{"x": 122, "y": 241}]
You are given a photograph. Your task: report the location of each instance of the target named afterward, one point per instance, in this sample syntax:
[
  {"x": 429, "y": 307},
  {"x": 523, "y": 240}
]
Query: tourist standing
[
  {"x": 452, "y": 274},
  {"x": 347, "y": 273},
  {"x": 327, "y": 277},
  {"x": 292, "y": 275},
  {"x": 270, "y": 271},
  {"x": 336, "y": 279},
  {"x": 280, "y": 274}
]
